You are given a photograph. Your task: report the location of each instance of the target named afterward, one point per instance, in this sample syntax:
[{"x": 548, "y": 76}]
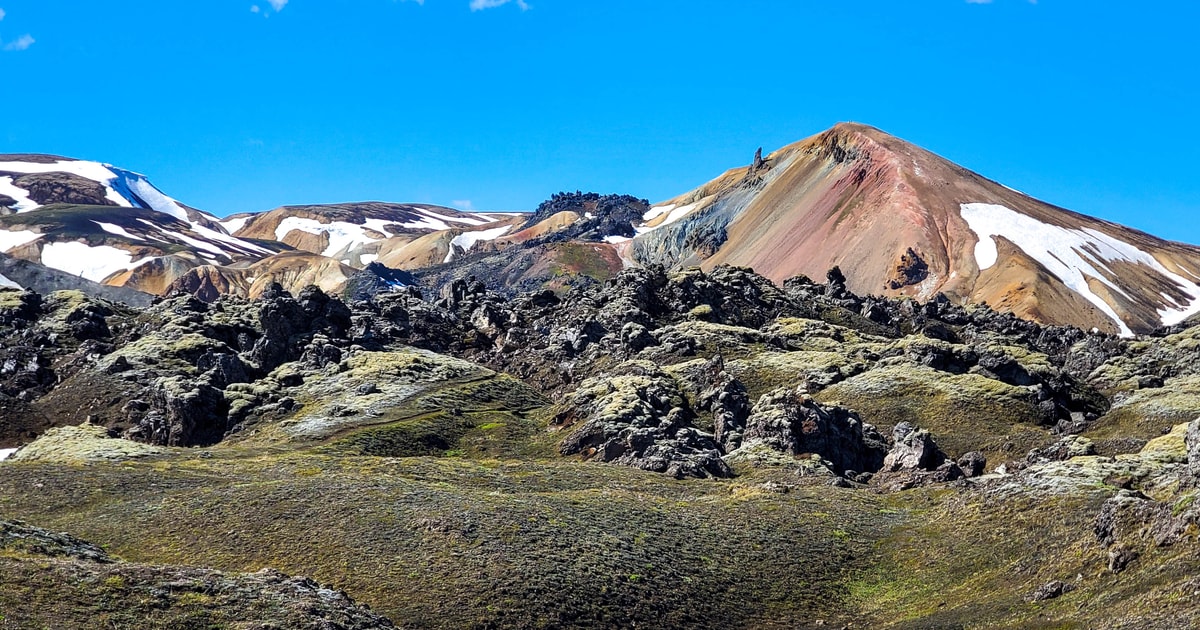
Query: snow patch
[
  {"x": 153, "y": 197},
  {"x": 91, "y": 263},
  {"x": 232, "y": 241},
  {"x": 5, "y": 282},
  {"x": 614, "y": 239},
  {"x": 233, "y": 225},
  {"x": 5, "y": 453},
  {"x": 657, "y": 211},
  {"x": 367, "y": 259},
  {"x": 677, "y": 214},
  {"x": 342, "y": 235},
  {"x": 467, "y": 240},
  {"x": 20, "y": 195},
  {"x": 113, "y": 228},
  {"x": 441, "y": 217},
  {"x": 1072, "y": 255},
  {"x": 16, "y": 238}
]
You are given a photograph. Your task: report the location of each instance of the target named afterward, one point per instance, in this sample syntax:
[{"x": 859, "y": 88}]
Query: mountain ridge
[{"x": 896, "y": 219}]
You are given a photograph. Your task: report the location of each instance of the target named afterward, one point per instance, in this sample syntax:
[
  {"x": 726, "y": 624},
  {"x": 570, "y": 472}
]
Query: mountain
[
  {"x": 900, "y": 220},
  {"x": 108, "y": 225},
  {"x": 354, "y": 233}
]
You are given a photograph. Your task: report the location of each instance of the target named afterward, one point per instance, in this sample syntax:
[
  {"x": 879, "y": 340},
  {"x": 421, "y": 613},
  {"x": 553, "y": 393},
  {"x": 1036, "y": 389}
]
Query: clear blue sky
[{"x": 1088, "y": 104}]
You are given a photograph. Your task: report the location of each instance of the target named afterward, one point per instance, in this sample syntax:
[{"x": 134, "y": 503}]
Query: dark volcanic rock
[
  {"x": 50, "y": 188},
  {"x": 610, "y": 215},
  {"x": 1050, "y": 590},
  {"x": 638, "y": 420},
  {"x": 791, "y": 422}
]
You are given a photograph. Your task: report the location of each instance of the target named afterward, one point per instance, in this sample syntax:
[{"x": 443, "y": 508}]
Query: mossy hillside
[
  {"x": 706, "y": 339},
  {"x": 408, "y": 403},
  {"x": 448, "y": 542},
  {"x": 83, "y": 444},
  {"x": 58, "y": 581},
  {"x": 1171, "y": 356},
  {"x": 819, "y": 335},
  {"x": 971, "y": 556},
  {"x": 1144, "y": 414},
  {"x": 1155, "y": 470},
  {"x": 964, "y": 412},
  {"x": 815, "y": 370},
  {"x": 966, "y": 561},
  {"x": 10, "y": 299}
]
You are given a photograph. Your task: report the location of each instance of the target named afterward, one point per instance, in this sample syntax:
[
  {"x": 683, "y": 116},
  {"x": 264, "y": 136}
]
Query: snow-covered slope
[
  {"x": 98, "y": 222},
  {"x": 1077, "y": 257},
  {"x": 31, "y": 182},
  {"x": 353, "y": 233}
]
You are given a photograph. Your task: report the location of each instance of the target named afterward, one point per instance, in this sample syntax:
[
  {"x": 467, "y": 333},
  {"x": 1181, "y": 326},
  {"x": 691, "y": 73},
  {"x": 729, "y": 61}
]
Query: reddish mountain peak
[{"x": 893, "y": 216}]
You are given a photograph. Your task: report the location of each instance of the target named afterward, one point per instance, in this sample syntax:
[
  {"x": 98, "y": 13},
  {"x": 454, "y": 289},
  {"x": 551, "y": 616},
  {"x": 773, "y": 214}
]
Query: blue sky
[{"x": 237, "y": 105}]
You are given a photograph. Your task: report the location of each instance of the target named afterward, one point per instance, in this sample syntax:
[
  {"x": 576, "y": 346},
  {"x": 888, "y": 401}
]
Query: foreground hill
[
  {"x": 899, "y": 220},
  {"x": 686, "y": 449}
]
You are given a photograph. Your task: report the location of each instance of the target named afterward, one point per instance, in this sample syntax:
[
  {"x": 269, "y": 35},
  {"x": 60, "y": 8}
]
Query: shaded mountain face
[{"x": 899, "y": 220}]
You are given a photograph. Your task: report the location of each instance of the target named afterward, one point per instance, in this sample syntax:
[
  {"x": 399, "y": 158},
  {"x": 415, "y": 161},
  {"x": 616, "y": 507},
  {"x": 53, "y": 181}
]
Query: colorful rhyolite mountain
[{"x": 899, "y": 220}]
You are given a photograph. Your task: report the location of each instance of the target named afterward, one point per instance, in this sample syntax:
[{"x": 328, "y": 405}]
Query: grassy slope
[{"x": 450, "y": 542}]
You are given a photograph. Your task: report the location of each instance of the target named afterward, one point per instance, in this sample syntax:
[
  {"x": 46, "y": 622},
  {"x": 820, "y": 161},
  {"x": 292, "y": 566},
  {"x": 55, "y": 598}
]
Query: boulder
[
  {"x": 972, "y": 464},
  {"x": 912, "y": 449},
  {"x": 638, "y": 420},
  {"x": 1050, "y": 590},
  {"x": 791, "y": 422}
]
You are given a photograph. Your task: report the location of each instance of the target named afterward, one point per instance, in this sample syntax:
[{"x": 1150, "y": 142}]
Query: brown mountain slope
[
  {"x": 351, "y": 232},
  {"x": 899, "y": 220},
  {"x": 292, "y": 270}
]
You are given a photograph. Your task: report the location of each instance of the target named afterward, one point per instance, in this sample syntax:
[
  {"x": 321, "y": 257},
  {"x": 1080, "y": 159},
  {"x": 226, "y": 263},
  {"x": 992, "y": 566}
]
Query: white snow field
[
  {"x": 91, "y": 263},
  {"x": 1072, "y": 255},
  {"x": 467, "y": 240}
]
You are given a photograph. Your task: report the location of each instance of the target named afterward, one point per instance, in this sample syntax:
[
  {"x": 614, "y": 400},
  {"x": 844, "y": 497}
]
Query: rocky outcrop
[
  {"x": 915, "y": 460},
  {"x": 50, "y": 188},
  {"x": 910, "y": 269},
  {"x": 17, "y": 537},
  {"x": 912, "y": 449},
  {"x": 640, "y": 420},
  {"x": 791, "y": 422},
  {"x": 603, "y": 215}
]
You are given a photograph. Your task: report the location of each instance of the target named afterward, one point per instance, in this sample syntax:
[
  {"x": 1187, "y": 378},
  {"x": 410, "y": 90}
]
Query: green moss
[{"x": 964, "y": 412}]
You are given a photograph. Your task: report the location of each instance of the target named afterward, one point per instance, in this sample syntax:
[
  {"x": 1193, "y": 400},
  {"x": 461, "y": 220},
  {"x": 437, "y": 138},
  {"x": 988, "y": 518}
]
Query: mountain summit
[{"x": 900, "y": 220}]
